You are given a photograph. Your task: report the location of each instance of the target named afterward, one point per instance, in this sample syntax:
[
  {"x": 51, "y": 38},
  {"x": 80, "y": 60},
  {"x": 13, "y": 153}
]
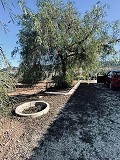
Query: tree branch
[{"x": 114, "y": 41}]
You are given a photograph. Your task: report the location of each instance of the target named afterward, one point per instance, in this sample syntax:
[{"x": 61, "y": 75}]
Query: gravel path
[{"x": 87, "y": 127}]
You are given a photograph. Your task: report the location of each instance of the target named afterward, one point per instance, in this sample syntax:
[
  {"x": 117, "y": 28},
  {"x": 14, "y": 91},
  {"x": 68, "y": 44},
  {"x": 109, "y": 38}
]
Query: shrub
[
  {"x": 6, "y": 85},
  {"x": 61, "y": 83},
  {"x": 30, "y": 74}
]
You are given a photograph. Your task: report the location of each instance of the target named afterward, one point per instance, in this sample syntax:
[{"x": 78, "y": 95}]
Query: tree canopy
[{"x": 57, "y": 36}]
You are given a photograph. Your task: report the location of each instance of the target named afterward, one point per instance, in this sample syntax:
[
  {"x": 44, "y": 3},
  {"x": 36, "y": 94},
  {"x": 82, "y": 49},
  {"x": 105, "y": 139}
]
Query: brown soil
[
  {"x": 27, "y": 90},
  {"x": 10, "y": 132},
  {"x": 14, "y": 131}
]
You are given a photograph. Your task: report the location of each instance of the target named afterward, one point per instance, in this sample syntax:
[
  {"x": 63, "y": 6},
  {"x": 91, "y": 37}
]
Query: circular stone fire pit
[{"x": 32, "y": 109}]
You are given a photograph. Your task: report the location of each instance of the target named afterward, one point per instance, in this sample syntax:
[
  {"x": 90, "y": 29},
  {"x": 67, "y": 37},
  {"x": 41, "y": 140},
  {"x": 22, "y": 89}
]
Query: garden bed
[
  {"x": 63, "y": 91},
  {"x": 34, "y": 109},
  {"x": 21, "y": 138},
  {"x": 20, "y": 133}
]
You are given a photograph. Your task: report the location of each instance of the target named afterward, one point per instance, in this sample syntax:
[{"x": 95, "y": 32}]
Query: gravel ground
[{"x": 85, "y": 126}]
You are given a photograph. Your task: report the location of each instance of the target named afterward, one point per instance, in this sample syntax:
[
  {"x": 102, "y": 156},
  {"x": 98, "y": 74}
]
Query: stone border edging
[
  {"x": 74, "y": 88},
  {"x": 26, "y": 105},
  {"x": 68, "y": 93}
]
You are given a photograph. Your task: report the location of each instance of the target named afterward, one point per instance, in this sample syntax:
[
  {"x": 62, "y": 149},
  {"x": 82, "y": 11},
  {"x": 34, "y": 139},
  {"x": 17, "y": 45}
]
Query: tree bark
[{"x": 63, "y": 67}]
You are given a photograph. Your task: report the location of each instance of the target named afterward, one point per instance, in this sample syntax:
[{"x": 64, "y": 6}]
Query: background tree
[{"x": 65, "y": 40}]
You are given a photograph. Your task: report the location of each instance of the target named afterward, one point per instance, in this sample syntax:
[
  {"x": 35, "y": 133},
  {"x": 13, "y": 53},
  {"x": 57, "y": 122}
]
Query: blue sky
[{"x": 8, "y": 41}]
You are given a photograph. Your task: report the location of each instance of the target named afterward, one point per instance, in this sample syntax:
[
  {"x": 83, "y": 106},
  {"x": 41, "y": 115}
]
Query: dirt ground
[
  {"x": 10, "y": 132},
  {"x": 26, "y": 90},
  {"x": 84, "y": 126},
  {"x": 14, "y": 129}
]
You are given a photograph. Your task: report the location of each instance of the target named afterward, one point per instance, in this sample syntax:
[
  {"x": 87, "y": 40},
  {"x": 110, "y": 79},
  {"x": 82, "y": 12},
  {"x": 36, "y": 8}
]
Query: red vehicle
[{"x": 112, "y": 78}]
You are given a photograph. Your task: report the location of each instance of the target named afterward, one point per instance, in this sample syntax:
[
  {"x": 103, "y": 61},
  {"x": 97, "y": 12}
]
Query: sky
[{"x": 8, "y": 40}]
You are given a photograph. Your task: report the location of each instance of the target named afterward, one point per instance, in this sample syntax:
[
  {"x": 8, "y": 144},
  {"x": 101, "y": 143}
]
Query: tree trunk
[{"x": 64, "y": 69}]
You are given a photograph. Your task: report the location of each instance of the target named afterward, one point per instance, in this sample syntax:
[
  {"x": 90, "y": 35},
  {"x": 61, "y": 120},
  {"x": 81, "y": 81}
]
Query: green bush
[
  {"x": 60, "y": 82},
  {"x": 30, "y": 74},
  {"x": 6, "y": 85}
]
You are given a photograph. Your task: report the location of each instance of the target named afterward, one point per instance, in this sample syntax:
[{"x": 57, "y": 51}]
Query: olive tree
[{"x": 58, "y": 35}]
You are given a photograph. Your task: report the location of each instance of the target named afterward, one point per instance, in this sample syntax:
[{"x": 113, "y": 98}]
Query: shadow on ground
[{"x": 88, "y": 128}]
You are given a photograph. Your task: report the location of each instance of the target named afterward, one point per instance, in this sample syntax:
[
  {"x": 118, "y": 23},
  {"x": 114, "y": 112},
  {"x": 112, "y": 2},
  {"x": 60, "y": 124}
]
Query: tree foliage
[
  {"x": 58, "y": 36},
  {"x": 6, "y": 81}
]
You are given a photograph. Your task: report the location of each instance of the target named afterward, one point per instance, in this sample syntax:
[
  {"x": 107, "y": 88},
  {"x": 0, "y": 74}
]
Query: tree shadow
[{"x": 82, "y": 128}]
